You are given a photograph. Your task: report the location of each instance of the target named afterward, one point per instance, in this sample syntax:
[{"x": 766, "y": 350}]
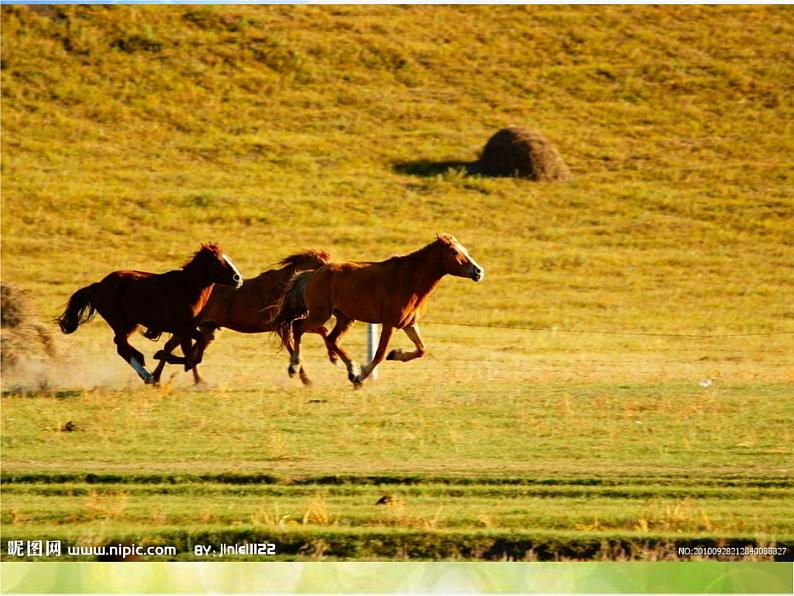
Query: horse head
[
  {"x": 219, "y": 266},
  {"x": 456, "y": 259}
]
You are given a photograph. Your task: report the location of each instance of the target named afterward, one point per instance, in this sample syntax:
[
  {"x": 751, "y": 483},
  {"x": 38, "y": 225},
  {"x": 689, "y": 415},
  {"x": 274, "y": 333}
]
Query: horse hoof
[
  {"x": 391, "y": 355},
  {"x": 291, "y": 372},
  {"x": 351, "y": 377},
  {"x": 357, "y": 382},
  {"x": 306, "y": 381}
]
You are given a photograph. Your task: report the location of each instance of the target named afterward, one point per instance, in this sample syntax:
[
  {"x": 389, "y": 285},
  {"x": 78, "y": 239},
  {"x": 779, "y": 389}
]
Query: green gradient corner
[{"x": 478, "y": 578}]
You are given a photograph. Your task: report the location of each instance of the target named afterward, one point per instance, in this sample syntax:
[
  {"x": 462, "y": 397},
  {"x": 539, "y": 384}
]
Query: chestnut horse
[
  {"x": 161, "y": 302},
  {"x": 248, "y": 309},
  {"x": 393, "y": 293}
]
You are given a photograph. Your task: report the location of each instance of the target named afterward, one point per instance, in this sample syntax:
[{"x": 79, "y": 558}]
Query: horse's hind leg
[
  {"x": 295, "y": 367},
  {"x": 299, "y": 370},
  {"x": 413, "y": 333},
  {"x": 343, "y": 325},
  {"x": 311, "y": 323},
  {"x": 131, "y": 356}
]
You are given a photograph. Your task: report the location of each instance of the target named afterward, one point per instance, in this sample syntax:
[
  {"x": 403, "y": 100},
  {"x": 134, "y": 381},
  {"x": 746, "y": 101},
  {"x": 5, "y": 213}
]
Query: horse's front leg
[
  {"x": 188, "y": 350},
  {"x": 198, "y": 348},
  {"x": 385, "y": 335},
  {"x": 207, "y": 336},
  {"x": 165, "y": 354},
  {"x": 161, "y": 355},
  {"x": 413, "y": 333}
]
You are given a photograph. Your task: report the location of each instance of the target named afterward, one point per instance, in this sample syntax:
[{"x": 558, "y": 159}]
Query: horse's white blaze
[
  {"x": 142, "y": 372},
  {"x": 236, "y": 271},
  {"x": 231, "y": 264},
  {"x": 466, "y": 254}
]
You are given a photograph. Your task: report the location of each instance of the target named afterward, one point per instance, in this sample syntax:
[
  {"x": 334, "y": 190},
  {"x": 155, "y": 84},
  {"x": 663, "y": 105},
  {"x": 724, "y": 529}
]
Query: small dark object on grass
[
  {"x": 68, "y": 427},
  {"x": 385, "y": 500}
]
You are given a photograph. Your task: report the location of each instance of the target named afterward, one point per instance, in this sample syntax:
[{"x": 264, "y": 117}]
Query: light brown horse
[
  {"x": 162, "y": 302},
  {"x": 393, "y": 293},
  {"x": 248, "y": 309}
]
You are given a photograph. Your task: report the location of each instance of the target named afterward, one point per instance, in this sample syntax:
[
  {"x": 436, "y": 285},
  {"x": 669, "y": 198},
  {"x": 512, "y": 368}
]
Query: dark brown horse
[
  {"x": 164, "y": 302},
  {"x": 248, "y": 309},
  {"x": 393, "y": 292}
]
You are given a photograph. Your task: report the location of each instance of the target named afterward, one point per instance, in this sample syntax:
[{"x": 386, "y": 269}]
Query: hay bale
[
  {"x": 14, "y": 305},
  {"x": 517, "y": 151},
  {"x": 23, "y": 338}
]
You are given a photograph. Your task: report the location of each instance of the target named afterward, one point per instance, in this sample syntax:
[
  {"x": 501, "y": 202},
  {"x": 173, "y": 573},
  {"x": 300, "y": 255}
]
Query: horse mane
[
  {"x": 447, "y": 239},
  {"x": 207, "y": 249},
  {"x": 308, "y": 259},
  {"x": 440, "y": 240}
]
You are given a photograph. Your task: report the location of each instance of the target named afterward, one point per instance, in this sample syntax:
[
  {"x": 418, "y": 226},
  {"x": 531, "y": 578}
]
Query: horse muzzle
[{"x": 477, "y": 274}]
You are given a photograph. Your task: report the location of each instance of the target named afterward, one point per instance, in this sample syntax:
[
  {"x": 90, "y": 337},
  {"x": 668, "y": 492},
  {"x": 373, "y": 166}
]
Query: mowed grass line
[
  {"x": 428, "y": 505},
  {"x": 423, "y": 520},
  {"x": 324, "y": 523}
]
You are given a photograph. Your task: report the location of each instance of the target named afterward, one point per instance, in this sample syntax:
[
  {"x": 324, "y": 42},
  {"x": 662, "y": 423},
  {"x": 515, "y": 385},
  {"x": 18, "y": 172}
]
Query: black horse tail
[
  {"x": 79, "y": 310},
  {"x": 291, "y": 306}
]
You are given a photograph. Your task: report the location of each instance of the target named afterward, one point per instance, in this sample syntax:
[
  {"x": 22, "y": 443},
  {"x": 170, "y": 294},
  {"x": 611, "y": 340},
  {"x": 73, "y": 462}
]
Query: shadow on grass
[
  {"x": 427, "y": 168},
  {"x": 27, "y": 392}
]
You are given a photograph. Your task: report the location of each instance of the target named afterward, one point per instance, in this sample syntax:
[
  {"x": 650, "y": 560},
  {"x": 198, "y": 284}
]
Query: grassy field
[
  {"x": 518, "y": 470},
  {"x": 622, "y": 383}
]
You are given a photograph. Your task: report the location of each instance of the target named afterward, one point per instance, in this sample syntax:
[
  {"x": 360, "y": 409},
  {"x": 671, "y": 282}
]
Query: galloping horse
[
  {"x": 393, "y": 292},
  {"x": 248, "y": 309},
  {"x": 161, "y": 302}
]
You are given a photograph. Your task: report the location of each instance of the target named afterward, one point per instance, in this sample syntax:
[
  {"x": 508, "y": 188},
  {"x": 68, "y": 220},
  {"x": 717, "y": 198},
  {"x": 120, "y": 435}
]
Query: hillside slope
[{"x": 132, "y": 133}]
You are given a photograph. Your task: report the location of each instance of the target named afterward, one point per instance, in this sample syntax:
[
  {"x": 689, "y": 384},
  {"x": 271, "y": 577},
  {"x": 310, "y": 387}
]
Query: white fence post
[{"x": 372, "y": 345}]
